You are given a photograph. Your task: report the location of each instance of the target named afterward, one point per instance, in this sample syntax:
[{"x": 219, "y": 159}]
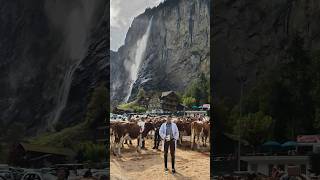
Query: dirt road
[{"x": 149, "y": 165}]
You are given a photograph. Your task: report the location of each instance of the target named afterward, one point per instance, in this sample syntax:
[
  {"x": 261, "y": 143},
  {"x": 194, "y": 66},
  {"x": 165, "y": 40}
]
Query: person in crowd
[
  {"x": 141, "y": 123},
  {"x": 61, "y": 174},
  {"x": 170, "y": 134},
  {"x": 88, "y": 173},
  {"x": 157, "y": 137},
  {"x": 67, "y": 173}
]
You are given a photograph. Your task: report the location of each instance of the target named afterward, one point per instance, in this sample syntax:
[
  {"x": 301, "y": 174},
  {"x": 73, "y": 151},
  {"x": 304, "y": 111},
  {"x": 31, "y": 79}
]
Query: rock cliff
[
  {"x": 53, "y": 53},
  {"x": 251, "y": 39},
  {"x": 177, "y": 49}
]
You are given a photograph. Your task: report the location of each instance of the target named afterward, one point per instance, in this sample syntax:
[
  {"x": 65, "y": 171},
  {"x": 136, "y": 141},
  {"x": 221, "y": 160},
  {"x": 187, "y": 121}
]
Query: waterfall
[
  {"x": 139, "y": 56},
  {"x": 75, "y": 25},
  {"x": 64, "y": 92}
]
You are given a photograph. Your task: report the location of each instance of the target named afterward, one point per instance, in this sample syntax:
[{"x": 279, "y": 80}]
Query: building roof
[
  {"x": 164, "y": 94},
  {"x": 236, "y": 138},
  {"x": 274, "y": 159},
  {"x": 47, "y": 150}
]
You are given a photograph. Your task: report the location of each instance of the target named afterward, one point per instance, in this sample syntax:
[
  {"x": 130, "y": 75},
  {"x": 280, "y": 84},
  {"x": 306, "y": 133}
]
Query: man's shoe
[
  {"x": 166, "y": 171},
  {"x": 154, "y": 148},
  {"x": 173, "y": 171}
]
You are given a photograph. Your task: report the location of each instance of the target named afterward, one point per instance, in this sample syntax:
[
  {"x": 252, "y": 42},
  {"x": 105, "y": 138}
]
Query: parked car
[
  {"x": 100, "y": 174},
  {"x": 7, "y": 174},
  {"x": 38, "y": 176},
  {"x": 17, "y": 172},
  {"x": 4, "y": 166}
]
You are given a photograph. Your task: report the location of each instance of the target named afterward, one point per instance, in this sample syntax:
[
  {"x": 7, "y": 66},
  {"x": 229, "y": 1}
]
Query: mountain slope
[
  {"x": 53, "y": 54},
  {"x": 177, "y": 49},
  {"x": 251, "y": 39}
]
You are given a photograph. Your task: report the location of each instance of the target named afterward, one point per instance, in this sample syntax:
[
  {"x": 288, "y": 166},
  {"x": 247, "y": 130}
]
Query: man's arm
[
  {"x": 161, "y": 132},
  {"x": 176, "y": 132}
]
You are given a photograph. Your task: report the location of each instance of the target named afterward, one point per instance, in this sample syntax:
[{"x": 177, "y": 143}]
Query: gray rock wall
[
  {"x": 251, "y": 38},
  {"x": 39, "y": 41},
  {"x": 178, "y": 48}
]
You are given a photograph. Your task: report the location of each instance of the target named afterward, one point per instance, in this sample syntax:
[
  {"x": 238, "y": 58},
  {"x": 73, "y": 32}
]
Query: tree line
[{"x": 282, "y": 103}]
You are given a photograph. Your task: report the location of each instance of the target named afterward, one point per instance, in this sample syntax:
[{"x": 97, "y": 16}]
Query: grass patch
[
  {"x": 65, "y": 138},
  {"x": 133, "y": 106}
]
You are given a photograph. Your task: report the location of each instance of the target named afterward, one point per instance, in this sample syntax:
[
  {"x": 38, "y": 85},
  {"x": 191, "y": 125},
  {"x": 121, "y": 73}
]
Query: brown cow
[
  {"x": 196, "y": 132},
  {"x": 206, "y": 133},
  {"x": 184, "y": 128},
  {"x": 129, "y": 130}
]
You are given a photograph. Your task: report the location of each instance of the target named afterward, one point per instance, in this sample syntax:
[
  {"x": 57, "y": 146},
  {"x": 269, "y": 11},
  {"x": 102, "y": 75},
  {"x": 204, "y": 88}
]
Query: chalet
[
  {"x": 300, "y": 160},
  {"x": 265, "y": 164},
  {"x": 118, "y": 110},
  {"x": 30, "y": 155},
  {"x": 154, "y": 104},
  {"x": 169, "y": 101}
]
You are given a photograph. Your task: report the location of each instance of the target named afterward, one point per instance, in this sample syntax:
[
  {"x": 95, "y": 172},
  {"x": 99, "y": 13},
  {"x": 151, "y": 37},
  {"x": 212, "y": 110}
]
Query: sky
[{"x": 122, "y": 13}]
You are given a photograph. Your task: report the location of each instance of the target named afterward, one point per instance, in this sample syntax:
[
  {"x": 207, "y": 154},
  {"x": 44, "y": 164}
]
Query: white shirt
[{"x": 175, "y": 132}]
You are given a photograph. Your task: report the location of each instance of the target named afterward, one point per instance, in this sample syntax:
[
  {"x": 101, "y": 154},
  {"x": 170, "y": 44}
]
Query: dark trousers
[
  {"x": 157, "y": 139},
  {"x": 168, "y": 144}
]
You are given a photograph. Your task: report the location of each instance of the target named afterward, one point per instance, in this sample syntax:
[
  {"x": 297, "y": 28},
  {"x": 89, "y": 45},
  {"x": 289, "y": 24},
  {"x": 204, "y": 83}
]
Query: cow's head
[{"x": 148, "y": 126}]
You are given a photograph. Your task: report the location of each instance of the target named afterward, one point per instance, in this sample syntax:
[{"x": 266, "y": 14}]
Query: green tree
[
  {"x": 141, "y": 94},
  {"x": 139, "y": 109},
  {"x": 199, "y": 89},
  {"x": 188, "y": 101},
  {"x": 88, "y": 151},
  {"x": 254, "y": 128},
  {"x": 96, "y": 110}
]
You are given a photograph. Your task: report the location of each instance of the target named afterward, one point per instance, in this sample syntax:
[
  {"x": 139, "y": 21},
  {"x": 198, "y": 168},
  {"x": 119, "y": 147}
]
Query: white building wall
[{"x": 264, "y": 169}]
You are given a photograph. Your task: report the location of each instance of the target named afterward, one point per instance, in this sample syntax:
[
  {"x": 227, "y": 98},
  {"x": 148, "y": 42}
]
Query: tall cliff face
[
  {"x": 251, "y": 38},
  {"x": 177, "y": 49},
  {"x": 40, "y": 42}
]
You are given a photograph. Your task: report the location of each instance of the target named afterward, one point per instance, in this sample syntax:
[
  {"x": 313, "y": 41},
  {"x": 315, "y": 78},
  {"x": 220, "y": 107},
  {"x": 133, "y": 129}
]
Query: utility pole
[
  {"x": 239, "y": 128},
  {"x": 242, "y": 80}
]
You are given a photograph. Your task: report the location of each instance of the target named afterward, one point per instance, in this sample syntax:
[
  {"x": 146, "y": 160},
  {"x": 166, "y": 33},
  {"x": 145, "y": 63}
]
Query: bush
[
  {"x": 132, "y": 106},
  {"x": 188, "y": 101},
  {"x": 254, "y": 127},
  {"x": 96, "y": 110},
  {"x": 89, "y": 151},
  {"x": 199, "y": 89}
]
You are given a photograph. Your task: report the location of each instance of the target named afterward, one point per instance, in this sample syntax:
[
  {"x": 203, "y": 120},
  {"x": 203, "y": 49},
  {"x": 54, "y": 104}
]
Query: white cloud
[{"x": 122, "y": 13}]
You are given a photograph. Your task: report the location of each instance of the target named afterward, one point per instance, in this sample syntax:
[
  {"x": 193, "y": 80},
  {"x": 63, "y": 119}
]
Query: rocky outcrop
[
  {"x": 177, "y": 49},
  {"x": 251, "y": 38},
  {"x": 39, "y": 41},
  {"x": 92, "y": 72}
]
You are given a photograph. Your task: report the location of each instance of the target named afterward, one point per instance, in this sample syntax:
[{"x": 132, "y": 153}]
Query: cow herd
[{"x": 139, "y": 127}]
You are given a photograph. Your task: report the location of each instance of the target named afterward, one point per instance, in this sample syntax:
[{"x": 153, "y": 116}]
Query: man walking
[
  {"x": 141, "y": 123},
  {"x": 157, "y": 137},
  {"x": 170, "y": 134}
]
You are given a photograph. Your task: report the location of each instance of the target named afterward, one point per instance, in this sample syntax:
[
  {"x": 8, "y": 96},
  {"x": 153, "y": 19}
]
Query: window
[{"x": 305, "y": 149}]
